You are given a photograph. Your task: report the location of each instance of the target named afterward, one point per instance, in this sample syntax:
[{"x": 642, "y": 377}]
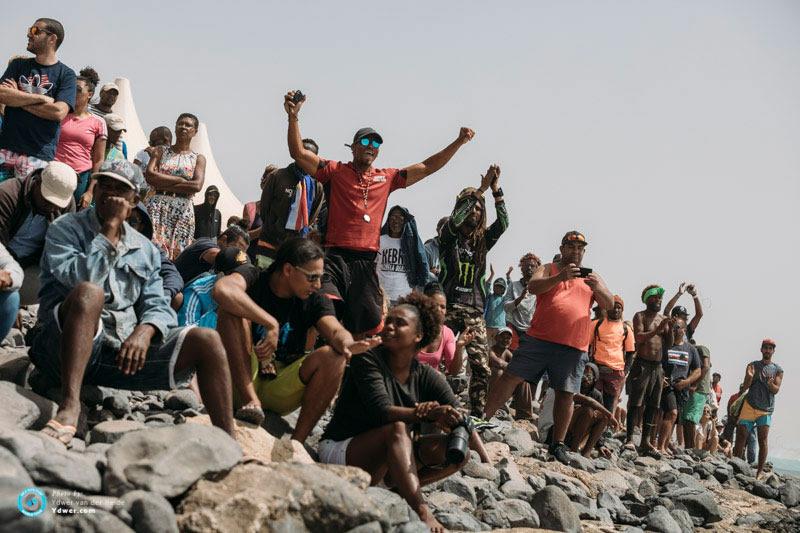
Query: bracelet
[{"x": 498, "y": 193}]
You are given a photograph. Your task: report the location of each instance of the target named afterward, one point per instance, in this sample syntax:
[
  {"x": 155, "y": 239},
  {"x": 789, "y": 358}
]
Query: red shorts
[{"x": 610, "y": 381}]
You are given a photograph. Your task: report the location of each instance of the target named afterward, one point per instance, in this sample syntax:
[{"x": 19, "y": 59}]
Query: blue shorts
[
  {"x": 563, "y": 364},
  {"x": 763, "y": 420},
  {"x": 158, "y": 372}
]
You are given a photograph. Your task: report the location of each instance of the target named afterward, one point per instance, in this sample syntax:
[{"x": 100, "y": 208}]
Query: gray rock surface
[
  {"x": 23, "y": 408},
  {"x": 555, "y": 510},
  {"x": 181, "y": 399},
  {"x": 510, "y": 513},
  {"x": 111, "y": 431},
  {"x": 393, "y": 506},
  {"x": 168, "y": 460},
  {"x": 660, "y": 520},
  {"x": 457, "y": 520},
  {"x": 150, "y": 512},
  {"x": 65, "y": 469},
  {"x": 12, "y": 468},
  {"x": 320, "y": 499}
]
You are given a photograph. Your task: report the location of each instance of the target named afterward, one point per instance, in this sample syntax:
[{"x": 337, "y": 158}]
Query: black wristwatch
[{"x": 498, "y": 193}]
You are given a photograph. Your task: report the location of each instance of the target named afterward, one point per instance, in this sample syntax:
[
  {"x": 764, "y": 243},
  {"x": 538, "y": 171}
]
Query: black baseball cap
[
  {"x": 573, "y": 235},
  {"x": 367, "y": 132},
  {"x": 679, "y": 310},
  {"x": 230, "y": 259}
]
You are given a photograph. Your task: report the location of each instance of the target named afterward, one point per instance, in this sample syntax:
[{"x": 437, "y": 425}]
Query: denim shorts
[
  {"x": 564, "y": 364},
  {"x": 158, "y": 372}
]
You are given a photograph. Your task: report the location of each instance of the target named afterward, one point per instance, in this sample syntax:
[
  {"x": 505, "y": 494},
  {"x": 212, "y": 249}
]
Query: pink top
[
  {"x": 562, "y": 313},
  {"x": 446, "y": 351},
  {"x": 76, "y": 140}
]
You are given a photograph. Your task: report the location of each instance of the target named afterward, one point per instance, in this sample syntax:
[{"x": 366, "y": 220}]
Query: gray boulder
[
  {"x": 10, "y": 517},
  {"x": 111, "y": 431},
  {"x": 480, "y": 470},
  {"x": 181, "y": 399},
  {"x": 519, "y": 441},
  {"x": 660, "y": 520},
  {"x": 790, "y": 493},
  {"x": 516, "y": 489},
  {"x": 647, "y": 488},
  {"x": 117, "y": 402},
  {"x": 555, "y": 510},
  {"x": 610, "y": 501},
  {"x": 23, "y": 408},
  {"x": 700, "y": 504},
  {"x": 753, "y": 519},
  {"x": 740, "y": 466},
  {"x": 65, "y": 469},
  {"x": 580, "y": 462},
  {"x": 458, "y": 486},
  {"x": 510, "y": 513},
  {"x": 393, "y": 506},
  {"x": 683, "y": 519},
  {"x": 95, "y": 522},
  {"x": 763, "y": 490},
  {"x": 457, "y": 520},
  {"x": 14, "y": 365},
  {"x": 150, "y": 512},
  {"x": 370, "y": 527},
  {"x": 168, "y": 460},
  {"x": 301, "y": 496},
  {"x": 574, "y": 489},
  {"x": 11, "y": 468}
]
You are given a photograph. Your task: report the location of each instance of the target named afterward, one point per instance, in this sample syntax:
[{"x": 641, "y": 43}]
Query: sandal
[
  {"x": 63, "y": 433},
  {"x": 252, "y": 414}
]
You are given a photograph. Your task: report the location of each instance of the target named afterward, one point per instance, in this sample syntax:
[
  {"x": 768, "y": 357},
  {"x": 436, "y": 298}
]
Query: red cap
[{"x": 768, "y": 341}]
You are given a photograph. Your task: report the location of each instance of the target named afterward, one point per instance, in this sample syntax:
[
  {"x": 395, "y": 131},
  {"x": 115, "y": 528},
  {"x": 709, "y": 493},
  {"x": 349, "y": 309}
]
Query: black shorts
[
  {"x": 351, "y": 281},
  {"x": 673, "y": 400},
  {"x": 644, "y": 383}
]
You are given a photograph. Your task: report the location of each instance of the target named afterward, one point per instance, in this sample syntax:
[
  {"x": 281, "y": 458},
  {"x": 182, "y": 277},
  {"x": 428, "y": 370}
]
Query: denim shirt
[{"x": 76, "y": 251}]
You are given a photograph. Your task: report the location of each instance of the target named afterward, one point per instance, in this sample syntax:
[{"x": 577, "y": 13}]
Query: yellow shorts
[{"x": 283, "y": 393}]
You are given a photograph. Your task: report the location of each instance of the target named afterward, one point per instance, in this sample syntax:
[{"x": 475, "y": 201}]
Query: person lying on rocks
[
  {"x": 103, "y": 316},
  {"x": 386, "y": 396},
  {"x": 590, "y": 418},
  {"x": 264, "y": 320}
]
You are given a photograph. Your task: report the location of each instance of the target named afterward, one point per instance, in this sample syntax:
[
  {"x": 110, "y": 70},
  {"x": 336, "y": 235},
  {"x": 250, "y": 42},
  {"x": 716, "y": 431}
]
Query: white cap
[
  {"x": 115, "y": 122},
  {"x": 109, "y": 87},
  {"x": 58, "y": 183}
]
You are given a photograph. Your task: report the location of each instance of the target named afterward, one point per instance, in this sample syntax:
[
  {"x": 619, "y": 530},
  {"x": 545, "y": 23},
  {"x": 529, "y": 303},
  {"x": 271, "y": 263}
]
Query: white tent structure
[{"x": 136, "y": 139}]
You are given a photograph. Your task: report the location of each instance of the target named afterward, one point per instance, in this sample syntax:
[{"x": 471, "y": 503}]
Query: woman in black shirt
[{"x": 385, "y": 393}]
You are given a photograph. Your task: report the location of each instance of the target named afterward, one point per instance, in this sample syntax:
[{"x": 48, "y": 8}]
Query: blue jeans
[
  {"x": 752, "y": 446},
  {"x": 9, "y": 307}
]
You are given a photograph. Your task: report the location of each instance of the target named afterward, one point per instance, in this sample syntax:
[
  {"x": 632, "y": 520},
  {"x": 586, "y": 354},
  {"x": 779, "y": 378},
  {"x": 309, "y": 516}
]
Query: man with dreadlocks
[{"x": 464, "y": 242}]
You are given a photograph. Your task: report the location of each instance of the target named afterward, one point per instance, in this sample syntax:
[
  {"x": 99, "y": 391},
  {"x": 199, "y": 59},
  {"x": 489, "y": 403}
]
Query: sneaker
[
  {"x": 480, "y": 423},
  {"x": 559, "y": 451}
]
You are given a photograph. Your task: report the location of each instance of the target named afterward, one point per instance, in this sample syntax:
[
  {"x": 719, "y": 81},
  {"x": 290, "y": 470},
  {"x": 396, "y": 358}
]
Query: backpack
[{"x": 596, "y": 336}]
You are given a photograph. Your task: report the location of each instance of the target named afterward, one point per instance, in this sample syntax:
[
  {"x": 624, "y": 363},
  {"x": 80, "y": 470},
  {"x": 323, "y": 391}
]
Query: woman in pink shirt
[
  {"x": 444, "y": 352},
  {"x": 82, "y": 140}
]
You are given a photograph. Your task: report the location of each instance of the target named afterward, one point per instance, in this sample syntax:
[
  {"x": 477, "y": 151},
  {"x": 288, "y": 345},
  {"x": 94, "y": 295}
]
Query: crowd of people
[{"x": 308, "y": 301}]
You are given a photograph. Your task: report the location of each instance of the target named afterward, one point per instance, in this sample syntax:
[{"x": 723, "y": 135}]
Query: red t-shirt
[
  {"x": 347, "y": 227},
  {"x": 562, "y": 313}
]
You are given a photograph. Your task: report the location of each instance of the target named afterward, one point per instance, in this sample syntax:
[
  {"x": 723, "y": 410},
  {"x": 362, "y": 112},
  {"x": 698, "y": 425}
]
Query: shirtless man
[{"x": 652, "y": 330}]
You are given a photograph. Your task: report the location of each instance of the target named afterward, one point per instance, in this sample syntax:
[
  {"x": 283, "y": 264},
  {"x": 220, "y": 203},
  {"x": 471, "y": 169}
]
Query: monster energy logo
[{"x": 466, "y": 274}]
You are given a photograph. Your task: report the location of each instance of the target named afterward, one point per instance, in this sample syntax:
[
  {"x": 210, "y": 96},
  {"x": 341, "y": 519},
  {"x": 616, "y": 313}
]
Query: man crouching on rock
[
  {"x": 387, "y": 400},
  {"x": 264, "y": 319},
  {"x": 103, "y": 317}
]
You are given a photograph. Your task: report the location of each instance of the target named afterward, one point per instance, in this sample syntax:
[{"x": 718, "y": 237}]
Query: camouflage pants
[{"x": 458, "y": 319}]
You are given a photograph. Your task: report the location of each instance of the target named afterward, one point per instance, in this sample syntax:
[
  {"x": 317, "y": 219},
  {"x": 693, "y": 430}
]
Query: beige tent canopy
[{"x": 136, "y": 139}]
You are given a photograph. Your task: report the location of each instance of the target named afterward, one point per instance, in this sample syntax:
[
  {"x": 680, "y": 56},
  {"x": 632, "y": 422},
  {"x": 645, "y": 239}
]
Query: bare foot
[{"x": 427, "y": 516}]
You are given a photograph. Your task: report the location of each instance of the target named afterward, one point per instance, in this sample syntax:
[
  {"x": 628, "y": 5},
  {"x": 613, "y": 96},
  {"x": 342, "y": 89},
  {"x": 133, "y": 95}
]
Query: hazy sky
[{"x": 668, "y": 132}]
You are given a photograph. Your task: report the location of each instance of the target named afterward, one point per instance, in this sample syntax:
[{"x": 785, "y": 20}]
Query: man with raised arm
[
  {"x": 679, "y": 311},
  {"x": 357, "y": 198}
]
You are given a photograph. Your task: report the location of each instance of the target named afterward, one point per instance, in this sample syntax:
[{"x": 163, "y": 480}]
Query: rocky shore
[{"x": 151, "y": 462}]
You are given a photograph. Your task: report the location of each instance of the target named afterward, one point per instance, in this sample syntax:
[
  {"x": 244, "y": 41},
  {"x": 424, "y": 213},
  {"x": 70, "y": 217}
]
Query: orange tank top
[{"x": 562, "y": 313}]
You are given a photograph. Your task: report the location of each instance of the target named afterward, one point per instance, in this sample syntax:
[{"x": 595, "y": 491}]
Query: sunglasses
[
  {"x": 366, "y": 142},
  {"x": 311, "y": 277},
  {"x": 36, "y": 30}
]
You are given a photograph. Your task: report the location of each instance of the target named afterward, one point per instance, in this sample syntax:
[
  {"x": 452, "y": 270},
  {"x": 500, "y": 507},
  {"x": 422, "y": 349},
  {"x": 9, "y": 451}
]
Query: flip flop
[
  {"x": 250, "y": 413},
  {"x": 63, "y": 433},
  {"x": 629, "y": 446}
]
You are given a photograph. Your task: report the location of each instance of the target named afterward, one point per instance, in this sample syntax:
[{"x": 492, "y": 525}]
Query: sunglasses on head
[
  {"x": 366, "y": 142},
  {"x": 36, "y": 30},
  {"x": 311, "y": 277}
]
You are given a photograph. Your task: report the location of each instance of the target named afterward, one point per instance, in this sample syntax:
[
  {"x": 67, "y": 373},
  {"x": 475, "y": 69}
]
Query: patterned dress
[{"x": 173, "y": 216}]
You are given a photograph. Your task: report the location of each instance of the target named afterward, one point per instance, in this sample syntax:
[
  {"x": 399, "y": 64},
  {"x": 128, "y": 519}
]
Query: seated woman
[
  {"x": 386, "y": 395},
  {"x": 706, "y": 434},
  {"x": 444, "y": 352}
]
